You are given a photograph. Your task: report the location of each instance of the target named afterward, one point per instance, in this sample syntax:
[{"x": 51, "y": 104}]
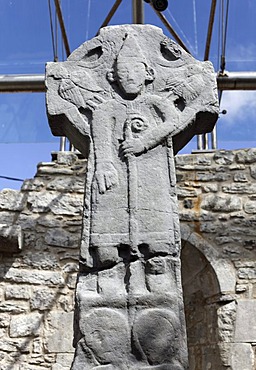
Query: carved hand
[
  {"x": 132, "y": 146},
  {"x": 106, "y": 175}
]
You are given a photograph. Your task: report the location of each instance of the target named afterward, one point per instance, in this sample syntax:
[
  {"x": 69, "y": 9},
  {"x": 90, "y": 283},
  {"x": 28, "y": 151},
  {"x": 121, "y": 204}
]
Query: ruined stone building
[{"x": 39, "y": 244}]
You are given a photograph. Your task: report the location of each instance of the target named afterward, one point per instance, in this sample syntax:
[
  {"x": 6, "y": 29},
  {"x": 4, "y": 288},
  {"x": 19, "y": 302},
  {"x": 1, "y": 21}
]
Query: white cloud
[{"x": 240, "y": 106}]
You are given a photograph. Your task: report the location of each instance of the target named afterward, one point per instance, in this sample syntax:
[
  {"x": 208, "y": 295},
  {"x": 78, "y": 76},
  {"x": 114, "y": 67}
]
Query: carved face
[{"x": 131, "y": 76}]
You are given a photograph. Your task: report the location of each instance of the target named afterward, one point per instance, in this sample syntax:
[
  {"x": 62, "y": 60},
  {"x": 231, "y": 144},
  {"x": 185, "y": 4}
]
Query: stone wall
[
  {"x": 217, "y": 193},
  {"x": 40, "y": 228},
  {"x": 37, "y": 283}
]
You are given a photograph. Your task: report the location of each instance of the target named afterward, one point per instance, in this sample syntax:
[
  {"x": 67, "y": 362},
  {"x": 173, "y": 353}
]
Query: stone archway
[{"x": 206, "y": 279}]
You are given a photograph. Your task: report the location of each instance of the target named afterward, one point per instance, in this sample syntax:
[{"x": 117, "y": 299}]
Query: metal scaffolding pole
[
  {"x": 210, "y": 27},
  {"x": 237, "y": 81},
  {"x": 22, "y": 83},
  {"x": 138, "y": 11},
  {"x": 36, "y": 83},
  {"x": 111, "y": 13},
  {"x": 170, "y": 29},
  {"x": 62, "y": 27}
]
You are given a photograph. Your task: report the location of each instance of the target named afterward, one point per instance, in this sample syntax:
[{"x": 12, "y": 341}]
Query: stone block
[
  {"x": 240, "y": 188},
  {"x": 25, "y": 325},
  {"x": 224, "y": 157},
  {"x": 70, "y": 205},
  {"x": 37, "y": 345},
  {"x": 65, "y": 158},
  {"x": 43, "y": 299},
  {"x": 11, "y": 200},
  {"x": 13, "y": 307},
  {"x": 213, "y": 176},
  {"x": 11, "y": 238},
  {"x": 63, "y": 362},
  {"x": 247, "y": 272},
  {"x": 61, "y": 238},
  {"x": 59, "y": 339},
  {"x": 242, "y": 357},
  {"x": 186, "y": 192},
  {"x": 245, "y": 327},
  {"x": 66, "y": 184},
  {"x": 34, "y": 277},
  {"x": 240, "y": 177},
  {"x": 253, "y": 171},
  {"x": 246, "y": 156},
  {"x": 37, "y": 260},
  {"x": 17, "y": 292},
  {"x": 33, "y": 185},
  {"x": 221, "y": 204},
  {"x": 41, "y": 202},
  {"x": 226, "y": 321},
  {"x": 250, "y": 207},
  {"x": 4, "y": 320}
]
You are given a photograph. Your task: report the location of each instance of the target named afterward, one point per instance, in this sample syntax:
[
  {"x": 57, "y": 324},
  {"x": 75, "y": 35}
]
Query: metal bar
[
  {"x": 62, "y": 27},
  {"x": 199, "y": 142},
  {"x": 63, "y": 144},
  {"x": 210, "y": 27},
  {"x": 214, "y": 138},
  {"x": 205, "y": 142},
  {"x": 138, "y": 11},
  {"x": 36, "y": 82},
  {"x": 237, "y": 81},
  {"x": 22, "y": 83},
  {"x": 111, "y": 13},
  {"x": 171, "y": 30}
]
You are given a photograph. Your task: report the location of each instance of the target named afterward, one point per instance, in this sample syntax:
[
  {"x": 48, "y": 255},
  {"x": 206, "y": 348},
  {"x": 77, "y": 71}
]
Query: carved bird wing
[
  {"x": 175, "y": 84},
  {"x": 85, "y": 81},
  {"x": 70, "y": 92}
]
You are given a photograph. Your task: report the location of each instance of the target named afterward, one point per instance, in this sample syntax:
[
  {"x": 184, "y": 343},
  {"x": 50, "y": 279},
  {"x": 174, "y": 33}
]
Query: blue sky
[{"x": 26, "y": 45}]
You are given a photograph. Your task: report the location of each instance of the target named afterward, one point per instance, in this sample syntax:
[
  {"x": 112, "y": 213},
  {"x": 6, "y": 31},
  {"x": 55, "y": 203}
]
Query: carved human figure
[
  {"x": 135, "y": 125},
  {"x": 129, "y": 99}
]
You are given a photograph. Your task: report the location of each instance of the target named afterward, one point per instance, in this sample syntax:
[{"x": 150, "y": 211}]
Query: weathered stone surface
[
  {"x": 247, "y": 272},
  {"x": 4, "y": 320},
  {"x": 226, "y": 320},
  {"x": 246, "y": 156},
  {"x": 34, "y": 277},
  {"x": 240, "y": 188},
  {"x": 67, "y": 205},
  {"x": 242, "y": 356},
  {"x": 11, "y": 200},
  {"x": 245, "y": 327},
  {"x": 41, "y": 202},
  {"x": 17, "y": 292},
  {"x": 11, "y": 238},
  {"x": 14, "y": 308},
  {"x": 224, "y": 157},
  {"x": 208, "y": 327},
  {"x": 253, "y": 171},
  {"x": 37, "y": 260},
  {"x": 25, "y": 325},
  {"x": 221, "y": 204},
  {"x": 33, "y": 185},
  {"x": 63, "y": 362},
  {"x": 43, "y": 299},
  {"x": 60, "y": 340},
  {"x": 240, "y": 177},
  {"x": 122, "y": 94},
  {"x": 75, "y": 184},
  {"x": 61, "y": 238},
  {"x": 250, "y": 207}
]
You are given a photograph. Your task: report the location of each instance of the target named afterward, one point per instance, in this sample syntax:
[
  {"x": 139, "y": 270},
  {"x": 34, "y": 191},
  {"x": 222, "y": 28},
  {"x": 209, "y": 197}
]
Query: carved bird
[
  {"x": 188, "y": 83},
  {"x": 80, "y": 89}
]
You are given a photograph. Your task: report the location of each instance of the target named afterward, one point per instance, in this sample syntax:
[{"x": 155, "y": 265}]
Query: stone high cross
[{"x": 129, "y": 99}]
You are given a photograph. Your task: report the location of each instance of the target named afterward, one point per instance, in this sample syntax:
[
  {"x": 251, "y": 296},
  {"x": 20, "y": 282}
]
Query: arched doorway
[{"x": 200, "y": 290}]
